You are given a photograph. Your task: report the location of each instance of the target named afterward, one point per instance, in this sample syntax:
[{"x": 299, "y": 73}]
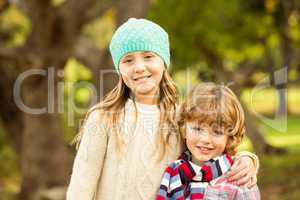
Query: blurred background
[{"x": 55, "y": 64}]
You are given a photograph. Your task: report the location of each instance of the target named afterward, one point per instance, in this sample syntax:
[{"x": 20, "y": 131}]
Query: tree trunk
[
  {"x": 10, "y": 114},
  {"x": 46, "y": 160},
  {"x": 259, "y": 144},
  {"x": 286, "y": 8}
]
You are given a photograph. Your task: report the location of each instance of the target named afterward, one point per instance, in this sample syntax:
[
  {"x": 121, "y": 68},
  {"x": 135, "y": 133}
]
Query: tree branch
[
  {"x": 137, "y": 9},
  {"x": 88, "y": 53},
  {"x": 36, "y": 8},
  {"x": 84, "y": 11},
  {"x": 99, "y": 9}
]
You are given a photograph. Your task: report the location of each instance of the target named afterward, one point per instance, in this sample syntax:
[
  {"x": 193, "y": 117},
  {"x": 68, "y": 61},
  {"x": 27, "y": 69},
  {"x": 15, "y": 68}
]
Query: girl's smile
[
  {"x": 142, "y": 72},
  {"x": 142, "y": 78}
]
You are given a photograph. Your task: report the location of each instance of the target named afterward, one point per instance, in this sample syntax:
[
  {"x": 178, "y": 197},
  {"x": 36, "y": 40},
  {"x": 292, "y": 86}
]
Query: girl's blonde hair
[
  {"x": 113, "y": 106},
  {"x": 214, "y": 104}
]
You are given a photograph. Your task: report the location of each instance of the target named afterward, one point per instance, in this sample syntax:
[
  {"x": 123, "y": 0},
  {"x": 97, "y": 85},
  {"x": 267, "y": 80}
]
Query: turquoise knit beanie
[{"x": 139, "y": 35}]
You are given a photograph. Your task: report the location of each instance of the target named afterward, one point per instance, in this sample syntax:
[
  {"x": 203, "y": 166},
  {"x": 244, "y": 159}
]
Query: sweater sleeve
[
  {"x": 244, "y": 193},
  {"x": 88, "y": 162}
]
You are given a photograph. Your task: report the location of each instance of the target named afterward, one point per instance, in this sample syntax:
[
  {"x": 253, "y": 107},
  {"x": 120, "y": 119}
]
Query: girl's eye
[
  {"x": 127, "y": 61},
  {"x": 148, "y": 56}
]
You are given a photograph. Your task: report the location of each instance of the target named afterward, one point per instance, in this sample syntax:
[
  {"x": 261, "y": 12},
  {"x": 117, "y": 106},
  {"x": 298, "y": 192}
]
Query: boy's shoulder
[{"x": 223, "y": 189}]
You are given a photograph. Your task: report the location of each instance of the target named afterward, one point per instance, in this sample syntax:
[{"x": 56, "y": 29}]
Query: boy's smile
[
  {"x": 204, "y": 142},
  {"x": 204, "y": 150}
]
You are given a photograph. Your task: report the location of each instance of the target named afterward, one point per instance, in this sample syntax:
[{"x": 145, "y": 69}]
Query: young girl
[
  {"x": 212, "y": 123},
  {"x": 129, "y": 138}
]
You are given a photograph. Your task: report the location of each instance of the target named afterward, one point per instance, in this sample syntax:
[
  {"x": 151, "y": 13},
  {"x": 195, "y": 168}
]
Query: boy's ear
[
  {"x": 227, "y": 148},
  {"x": 183, "y": 131}
]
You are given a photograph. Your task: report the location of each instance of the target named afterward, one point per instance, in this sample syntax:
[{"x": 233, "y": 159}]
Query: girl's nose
[{"x": 139, "y": 66}]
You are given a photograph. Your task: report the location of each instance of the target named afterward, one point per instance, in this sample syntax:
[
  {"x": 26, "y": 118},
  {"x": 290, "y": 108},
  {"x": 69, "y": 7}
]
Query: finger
[
  {"x": 234, "y": 168},
  {"x": 239, "y": 167},
  {"x": 253, "y": 182},
  {"x": 244, "y": 180},
  {"x": 238, "y": 174},
  {"x": 245, "y": 160}
]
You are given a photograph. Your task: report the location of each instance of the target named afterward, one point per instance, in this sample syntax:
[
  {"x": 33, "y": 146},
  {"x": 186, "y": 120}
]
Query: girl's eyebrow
[
  {"x": 127, "y": 56},
  {"x": 145, "y": 52}
]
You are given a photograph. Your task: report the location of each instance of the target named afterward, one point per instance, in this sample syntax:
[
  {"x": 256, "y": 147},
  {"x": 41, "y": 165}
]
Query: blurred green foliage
[
  {"x": 101, "y": 29},
  {"x": 9, "y": 170},
  {"x": 15, "y": 25},
  {"x": 230, "y": 28},
  {"x": 57, "y": 2},
  {"x": 257, "y": 101},
  {"x": 234, "y": 31}
]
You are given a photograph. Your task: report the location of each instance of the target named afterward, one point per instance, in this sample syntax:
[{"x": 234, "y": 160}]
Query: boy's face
[
  {"x": 142, "y": 72},
  {"x": 205, "y": 141}
]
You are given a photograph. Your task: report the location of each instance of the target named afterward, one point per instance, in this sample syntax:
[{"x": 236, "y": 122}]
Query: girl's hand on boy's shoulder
[{"x": 243, "y": 171}]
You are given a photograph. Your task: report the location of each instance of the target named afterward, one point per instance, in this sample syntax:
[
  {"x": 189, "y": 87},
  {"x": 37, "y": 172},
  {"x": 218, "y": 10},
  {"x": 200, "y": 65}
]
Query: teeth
[
  {"x": 204, "y": 148},
  {"x": 141, "y": 78}
]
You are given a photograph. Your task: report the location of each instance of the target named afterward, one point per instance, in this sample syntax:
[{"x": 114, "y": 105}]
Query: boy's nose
[{"x": 205, "y": 137}]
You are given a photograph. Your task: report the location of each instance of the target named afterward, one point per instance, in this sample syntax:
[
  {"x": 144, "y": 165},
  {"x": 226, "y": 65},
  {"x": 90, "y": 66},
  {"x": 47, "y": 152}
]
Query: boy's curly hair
[{"x": 214, "y": 104}]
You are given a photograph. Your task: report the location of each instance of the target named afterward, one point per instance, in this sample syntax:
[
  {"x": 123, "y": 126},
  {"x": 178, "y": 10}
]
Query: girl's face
[
  {"x": 205, "y": 141},
  {"x": 142, "y": 72}
]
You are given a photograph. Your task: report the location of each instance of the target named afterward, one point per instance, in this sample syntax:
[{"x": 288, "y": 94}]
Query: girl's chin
[{"x": 145, "y": 90}]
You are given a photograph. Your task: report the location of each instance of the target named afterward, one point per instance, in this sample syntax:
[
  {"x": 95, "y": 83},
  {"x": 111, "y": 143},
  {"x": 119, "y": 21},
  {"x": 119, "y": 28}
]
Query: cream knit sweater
[{"x": 98, "y": 173}]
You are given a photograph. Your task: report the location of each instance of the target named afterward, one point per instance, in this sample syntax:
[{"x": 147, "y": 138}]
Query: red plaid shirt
[{"x": 224, "y": 190}]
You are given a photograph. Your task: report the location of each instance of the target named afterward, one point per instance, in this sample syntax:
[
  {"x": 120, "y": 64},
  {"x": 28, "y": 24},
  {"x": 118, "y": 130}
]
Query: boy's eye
[
  {"x": 197, "y": 129},
  {"x": 218, "y": 133}
]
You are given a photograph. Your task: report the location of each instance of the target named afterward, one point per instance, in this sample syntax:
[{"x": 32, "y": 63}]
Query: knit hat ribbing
[{"x": 139, "y": 35}]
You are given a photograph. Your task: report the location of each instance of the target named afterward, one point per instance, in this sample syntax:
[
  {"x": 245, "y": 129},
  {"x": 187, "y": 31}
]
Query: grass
[{"x": 279, "y": 177}]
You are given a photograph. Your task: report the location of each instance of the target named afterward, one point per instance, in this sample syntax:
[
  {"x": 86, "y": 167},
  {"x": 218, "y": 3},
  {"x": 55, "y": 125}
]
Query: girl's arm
[
  {"x": 245, "y": 168},
  {"x": 89, "y": 160}
]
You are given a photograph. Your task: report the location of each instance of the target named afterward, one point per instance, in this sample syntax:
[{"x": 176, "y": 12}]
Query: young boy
[{"x": 212, "y": 123}]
